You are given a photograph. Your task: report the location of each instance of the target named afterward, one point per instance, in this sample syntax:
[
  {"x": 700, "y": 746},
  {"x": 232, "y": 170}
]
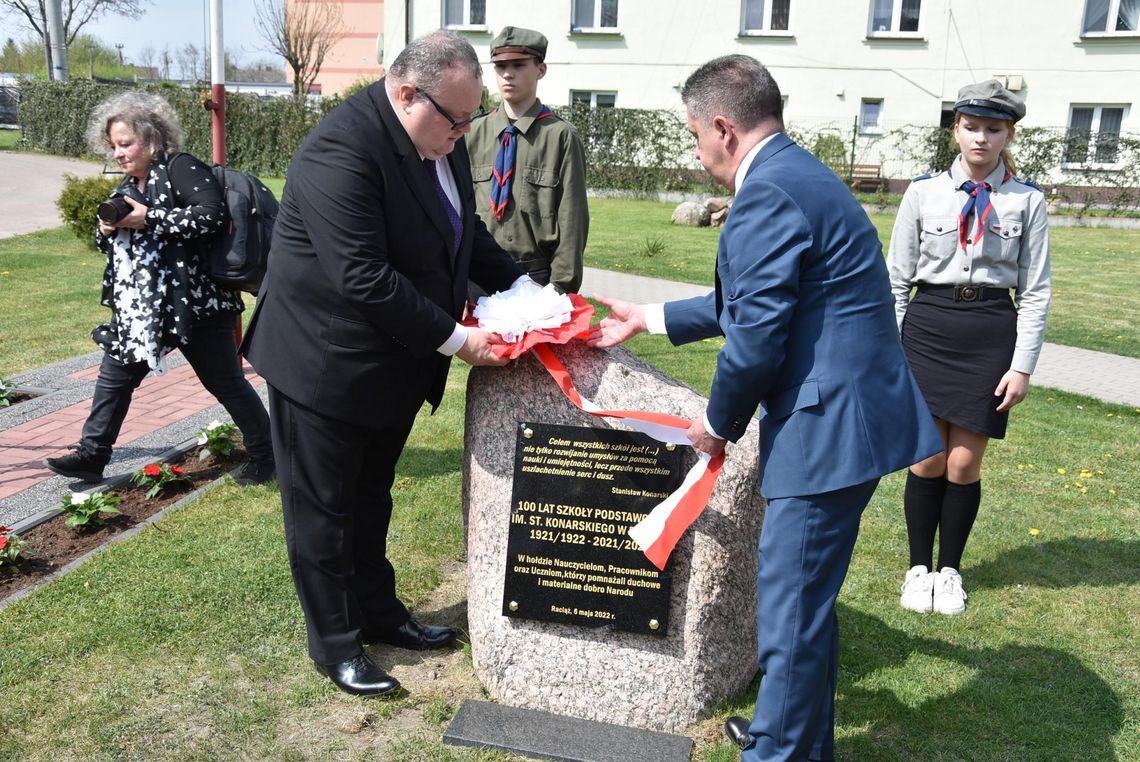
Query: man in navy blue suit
[{"x": 804, "y": 304}]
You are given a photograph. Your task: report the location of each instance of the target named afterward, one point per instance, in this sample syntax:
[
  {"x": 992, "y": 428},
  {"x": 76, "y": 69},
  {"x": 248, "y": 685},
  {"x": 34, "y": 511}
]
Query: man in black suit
[{"x": 354, "y": 330}]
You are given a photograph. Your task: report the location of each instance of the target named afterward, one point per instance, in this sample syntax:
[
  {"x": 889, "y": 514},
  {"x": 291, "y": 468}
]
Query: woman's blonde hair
[
  {"x": 1006, "y": 156},
  {"x": 152, "y": 120}
]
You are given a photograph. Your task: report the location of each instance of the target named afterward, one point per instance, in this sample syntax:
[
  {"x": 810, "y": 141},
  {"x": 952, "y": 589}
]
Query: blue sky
[{"x": 177, "y": 22}]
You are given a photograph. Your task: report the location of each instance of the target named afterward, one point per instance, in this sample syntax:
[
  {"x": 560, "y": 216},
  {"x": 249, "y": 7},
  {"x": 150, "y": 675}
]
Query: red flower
[
  {"x": 152, "y": 470},
  {"x": 4, "y": 529},
  {"x": 3, "y": 541},
  {"x": 178, "y": 470}
]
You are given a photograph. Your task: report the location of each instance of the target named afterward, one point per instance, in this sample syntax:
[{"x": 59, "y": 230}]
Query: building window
[
  {"x": 592, "y": 99},
  {"x": 871, "y": 115},
  {"x": 1111, "y": 17},
  {"x": 595, "y": 15},
  {"x": 462, "y": 14},
  {"x": 893, "y": 18},
  {"x": 1093, "y": 137},
  {"x": 765, "y": 16}
]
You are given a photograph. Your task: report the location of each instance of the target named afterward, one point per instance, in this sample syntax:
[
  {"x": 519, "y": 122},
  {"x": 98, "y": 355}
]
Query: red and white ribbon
[{"x": 658, "y": 533}]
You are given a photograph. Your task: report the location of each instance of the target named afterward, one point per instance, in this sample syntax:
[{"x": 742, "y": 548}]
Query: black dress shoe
[
  {"x": 413, "y": 636},
  {"x": 736, "y": 728},
  {"x": 359, "y": 676},
  {"x": 76, "y": 466}
]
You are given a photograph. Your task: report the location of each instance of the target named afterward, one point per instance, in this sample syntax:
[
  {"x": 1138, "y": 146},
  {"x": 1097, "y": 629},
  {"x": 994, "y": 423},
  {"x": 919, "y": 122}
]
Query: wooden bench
[{"x": 867, "y": 178}]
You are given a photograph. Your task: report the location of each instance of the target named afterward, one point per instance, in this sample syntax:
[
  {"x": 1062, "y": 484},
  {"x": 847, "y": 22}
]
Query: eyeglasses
[{"x": 456, "y": 124}]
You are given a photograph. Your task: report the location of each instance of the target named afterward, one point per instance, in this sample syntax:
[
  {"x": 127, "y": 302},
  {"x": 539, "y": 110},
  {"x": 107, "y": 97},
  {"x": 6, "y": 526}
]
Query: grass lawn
[
  {"x": 8, "y": 139},
  {"x": 50, "y": 285},
  {"x": 186, "y": 642},
  {"x": 1096, "y": 304}
]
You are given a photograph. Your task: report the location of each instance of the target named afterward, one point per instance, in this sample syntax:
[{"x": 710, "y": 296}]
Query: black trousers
[
  {"x": 212, "y": 354},
  {"x": 336, "y": 480}
]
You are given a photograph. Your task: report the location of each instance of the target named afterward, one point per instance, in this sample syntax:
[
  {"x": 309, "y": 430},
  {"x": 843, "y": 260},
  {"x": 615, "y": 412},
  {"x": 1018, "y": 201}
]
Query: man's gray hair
[
  {"x": 425, "y": 59},
  {"x": 736, "y": 86},
  {"x": 152, "y": 120}
]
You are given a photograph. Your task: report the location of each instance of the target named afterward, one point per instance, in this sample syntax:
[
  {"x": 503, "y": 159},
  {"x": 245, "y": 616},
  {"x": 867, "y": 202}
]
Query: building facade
[
  {"x": 864, "y": 66},
  {"x": 355, "y": 55}
]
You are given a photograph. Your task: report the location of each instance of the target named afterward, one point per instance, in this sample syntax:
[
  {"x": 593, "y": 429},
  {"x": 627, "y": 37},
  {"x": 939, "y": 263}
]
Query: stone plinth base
[{"x": 657, "y": 683}]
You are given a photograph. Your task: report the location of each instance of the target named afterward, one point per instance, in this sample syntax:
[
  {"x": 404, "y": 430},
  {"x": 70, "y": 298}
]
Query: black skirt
[{"x": 959, "y": 351}]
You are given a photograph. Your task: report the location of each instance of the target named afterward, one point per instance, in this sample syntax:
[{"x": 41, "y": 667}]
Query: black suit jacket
[{"x": 362, "y": 285}]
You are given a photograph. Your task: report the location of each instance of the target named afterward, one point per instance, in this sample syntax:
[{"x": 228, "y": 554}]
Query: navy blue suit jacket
[{"x": 804, "y": 303}]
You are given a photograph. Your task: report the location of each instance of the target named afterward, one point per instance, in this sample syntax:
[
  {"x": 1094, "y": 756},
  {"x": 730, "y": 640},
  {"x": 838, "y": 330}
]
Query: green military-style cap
[
  {"x": 514, "y": 42},
  {"x": 991, "y": 99}
]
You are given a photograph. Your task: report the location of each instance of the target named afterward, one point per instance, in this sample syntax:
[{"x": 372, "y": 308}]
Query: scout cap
[
  {"x": 990, "y": 99},
  {"x": 515, "y": 42}
]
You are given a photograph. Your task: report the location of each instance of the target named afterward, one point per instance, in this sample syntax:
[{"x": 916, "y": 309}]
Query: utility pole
[
  {"x": 119, "y": 47},
  {"x": 56, "y": 45}
]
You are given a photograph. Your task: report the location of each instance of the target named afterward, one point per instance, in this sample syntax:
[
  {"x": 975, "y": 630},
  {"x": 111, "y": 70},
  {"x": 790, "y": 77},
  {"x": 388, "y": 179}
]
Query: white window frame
[
  {"x": 1109, "y": 23},
  {"x": 1094, "y": 133},
  {"x": 876, "y": 129},
  {"x": 594, "y": 97},
  {"x": 596, "y": 25},
  {"x": 466, "y": 24},
  {"x": 896, "y": 22},
  {"x": 766, "y": 29}
]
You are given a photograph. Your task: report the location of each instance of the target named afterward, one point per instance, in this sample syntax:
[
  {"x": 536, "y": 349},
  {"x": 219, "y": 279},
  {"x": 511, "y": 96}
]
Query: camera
[{"x": 113, "y": 209}]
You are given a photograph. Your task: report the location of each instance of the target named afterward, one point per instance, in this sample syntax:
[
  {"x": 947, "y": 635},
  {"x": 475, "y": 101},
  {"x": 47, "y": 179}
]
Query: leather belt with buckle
[{"x": 965, "y": 293}]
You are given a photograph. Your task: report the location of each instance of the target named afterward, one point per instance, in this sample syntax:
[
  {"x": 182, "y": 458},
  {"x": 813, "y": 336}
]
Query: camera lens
[{"x": 113, "y": 209}]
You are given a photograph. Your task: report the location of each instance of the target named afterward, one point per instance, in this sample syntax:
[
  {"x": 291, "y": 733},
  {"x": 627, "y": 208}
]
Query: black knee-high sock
[
  {"x": 922, "y": 505},
  {"x": 959, "y": 509}
]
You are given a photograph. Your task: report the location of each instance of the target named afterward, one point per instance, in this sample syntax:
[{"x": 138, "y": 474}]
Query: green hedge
[
  {"x": 262, "y": 134},
  {"x": 80, "y": 199}
]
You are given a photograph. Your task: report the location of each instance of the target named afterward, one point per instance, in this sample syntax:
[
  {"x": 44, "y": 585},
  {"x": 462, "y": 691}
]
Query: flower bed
[{"x": 53, "y": 544}]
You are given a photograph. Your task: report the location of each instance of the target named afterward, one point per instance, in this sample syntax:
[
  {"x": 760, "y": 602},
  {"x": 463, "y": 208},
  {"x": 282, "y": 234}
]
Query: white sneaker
[
  {"x": 949, "y": 595},
  {"x": 918, "y": 589}
]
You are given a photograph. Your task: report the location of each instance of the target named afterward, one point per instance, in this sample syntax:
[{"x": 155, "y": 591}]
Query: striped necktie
[
  {"x": 978, "y": 202},
  {"x": 504, "y": 171}
]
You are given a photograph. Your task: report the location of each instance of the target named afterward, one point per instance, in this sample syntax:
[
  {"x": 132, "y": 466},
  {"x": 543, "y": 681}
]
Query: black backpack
[{"x": 237, "y": 257}]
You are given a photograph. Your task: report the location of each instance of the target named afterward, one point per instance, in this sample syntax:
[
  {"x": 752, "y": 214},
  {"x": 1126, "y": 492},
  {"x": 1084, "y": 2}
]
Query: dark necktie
[
  {"x": 453, "y": 215},
  {"x": 978, "y": 202},
  {"x": 504, "y": 170}
]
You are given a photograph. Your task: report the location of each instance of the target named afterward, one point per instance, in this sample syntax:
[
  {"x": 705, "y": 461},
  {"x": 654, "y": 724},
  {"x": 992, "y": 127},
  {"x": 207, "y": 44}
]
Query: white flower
[
  {"x": 79, "y": 498},
  {"x": 213, "y": 425},
  {"x": 202, "y": 439}
]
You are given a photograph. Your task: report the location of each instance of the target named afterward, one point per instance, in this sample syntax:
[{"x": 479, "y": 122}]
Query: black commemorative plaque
[{"x": 576, "y": 493}]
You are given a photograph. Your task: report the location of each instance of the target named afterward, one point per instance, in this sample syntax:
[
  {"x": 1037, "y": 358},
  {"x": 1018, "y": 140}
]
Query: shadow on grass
[
  {"x": 424, "y": 462},
  {"x": 1011, "y": 702},
  {"x": 1062, "y": 563}
]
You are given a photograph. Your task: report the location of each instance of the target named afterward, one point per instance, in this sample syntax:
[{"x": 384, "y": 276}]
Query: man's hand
[
  {"x": 702, "y": 440},
  {"x": 625, "y": 321},
  {"x": 476, "y": 350},
  {"x": 1014, "y": 385}
]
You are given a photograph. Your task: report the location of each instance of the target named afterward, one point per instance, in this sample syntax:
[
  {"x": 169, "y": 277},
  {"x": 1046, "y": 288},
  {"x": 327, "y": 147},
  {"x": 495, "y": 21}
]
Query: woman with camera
[{"x": 156, "y": 285}]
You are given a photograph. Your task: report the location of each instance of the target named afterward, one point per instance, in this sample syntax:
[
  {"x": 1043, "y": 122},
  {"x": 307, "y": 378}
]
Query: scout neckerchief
[
  {"x": 504, "y": 170},
  {"x": 978, "y": 202}
]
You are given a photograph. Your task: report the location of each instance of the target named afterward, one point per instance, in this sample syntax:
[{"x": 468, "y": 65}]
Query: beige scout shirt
[
  {"x": 1012, "y": 253},
  {"x": 545, "y": 225}
]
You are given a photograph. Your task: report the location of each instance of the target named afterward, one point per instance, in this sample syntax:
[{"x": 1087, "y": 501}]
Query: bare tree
[
  {"x": 188, "y": 59},
  {"x": 301, "y": 33},
  {"x": 76, "y": 14},
  {"x": 147, "y": 58}
]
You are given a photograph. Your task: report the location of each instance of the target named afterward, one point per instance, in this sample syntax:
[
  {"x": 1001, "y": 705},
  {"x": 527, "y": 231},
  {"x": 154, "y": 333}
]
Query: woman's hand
[
  {"x": 135, "y": 219},
  {"x": 1014, "y": 385}
]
